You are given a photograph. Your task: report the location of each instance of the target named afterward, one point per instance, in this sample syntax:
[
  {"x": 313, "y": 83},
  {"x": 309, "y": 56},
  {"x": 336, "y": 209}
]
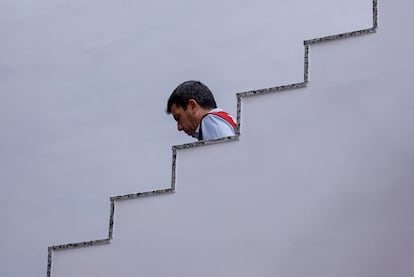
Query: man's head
[{"x": 188, "y": 103}]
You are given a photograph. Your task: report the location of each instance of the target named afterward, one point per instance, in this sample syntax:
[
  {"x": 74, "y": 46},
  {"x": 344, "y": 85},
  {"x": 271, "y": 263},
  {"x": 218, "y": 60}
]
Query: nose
[{"x": 179, "y": 127}]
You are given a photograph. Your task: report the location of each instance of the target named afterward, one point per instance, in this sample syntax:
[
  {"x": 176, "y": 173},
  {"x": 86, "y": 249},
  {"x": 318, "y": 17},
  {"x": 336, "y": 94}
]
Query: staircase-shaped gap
[{"x": 157, "y": 214}]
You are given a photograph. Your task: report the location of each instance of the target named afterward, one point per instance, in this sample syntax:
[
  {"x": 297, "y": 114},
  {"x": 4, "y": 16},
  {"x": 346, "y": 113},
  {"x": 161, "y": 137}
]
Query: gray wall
[{"x": 319, "y": 183}]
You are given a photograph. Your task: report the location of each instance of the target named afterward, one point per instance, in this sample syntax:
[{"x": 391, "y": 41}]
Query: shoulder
[
  {"x": 222, "y": 116},
  {"x": 219, "y": 116},
  {"x": 215, "y": 126}
]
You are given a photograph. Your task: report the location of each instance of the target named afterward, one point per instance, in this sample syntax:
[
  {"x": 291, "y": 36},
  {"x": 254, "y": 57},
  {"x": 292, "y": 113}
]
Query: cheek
[
  {"x": 188, "y": 120},
  {"x": 184, "y": 122}
]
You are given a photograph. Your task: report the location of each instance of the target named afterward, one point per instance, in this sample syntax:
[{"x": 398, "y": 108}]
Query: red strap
[{"x": 226, "y": 117}]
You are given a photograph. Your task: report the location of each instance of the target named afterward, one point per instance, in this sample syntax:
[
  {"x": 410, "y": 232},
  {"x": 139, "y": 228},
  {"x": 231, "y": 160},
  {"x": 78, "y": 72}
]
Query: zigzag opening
[{"x": 239, "y": 96}]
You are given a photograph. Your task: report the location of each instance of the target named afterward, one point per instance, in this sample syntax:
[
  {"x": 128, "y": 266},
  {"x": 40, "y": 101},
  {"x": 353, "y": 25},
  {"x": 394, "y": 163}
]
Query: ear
[{"x": 192, "y": 105}]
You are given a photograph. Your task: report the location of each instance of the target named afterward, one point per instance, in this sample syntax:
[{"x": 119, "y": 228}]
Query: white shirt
[{"x": 214, "y": 126}]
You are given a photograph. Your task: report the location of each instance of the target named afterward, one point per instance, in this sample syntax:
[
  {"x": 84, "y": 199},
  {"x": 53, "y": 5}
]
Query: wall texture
[{"x": 318, "y": 184}]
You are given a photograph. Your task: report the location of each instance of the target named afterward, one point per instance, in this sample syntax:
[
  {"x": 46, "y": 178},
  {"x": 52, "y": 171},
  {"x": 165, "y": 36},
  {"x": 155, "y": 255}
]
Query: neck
[{"x": 203, "y": 112}]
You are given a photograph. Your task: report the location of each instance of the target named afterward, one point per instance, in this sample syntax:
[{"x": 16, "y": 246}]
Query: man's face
[{"x": 186, "y": 119}]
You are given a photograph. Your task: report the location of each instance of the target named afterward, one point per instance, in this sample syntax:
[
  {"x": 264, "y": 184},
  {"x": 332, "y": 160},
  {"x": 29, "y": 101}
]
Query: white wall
[{"x": 322, "y": 187}]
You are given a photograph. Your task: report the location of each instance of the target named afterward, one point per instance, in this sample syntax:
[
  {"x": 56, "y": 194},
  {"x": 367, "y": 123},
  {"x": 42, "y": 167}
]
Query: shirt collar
[{"x": 197, "y": 132}]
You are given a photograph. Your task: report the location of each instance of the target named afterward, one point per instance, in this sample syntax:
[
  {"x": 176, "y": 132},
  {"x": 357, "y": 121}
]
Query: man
[{"x": 193, "y": 107}]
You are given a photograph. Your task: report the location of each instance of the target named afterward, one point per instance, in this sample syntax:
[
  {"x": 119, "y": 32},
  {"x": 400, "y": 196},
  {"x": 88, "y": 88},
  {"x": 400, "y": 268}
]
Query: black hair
[{"x": 191, "y": 90}]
